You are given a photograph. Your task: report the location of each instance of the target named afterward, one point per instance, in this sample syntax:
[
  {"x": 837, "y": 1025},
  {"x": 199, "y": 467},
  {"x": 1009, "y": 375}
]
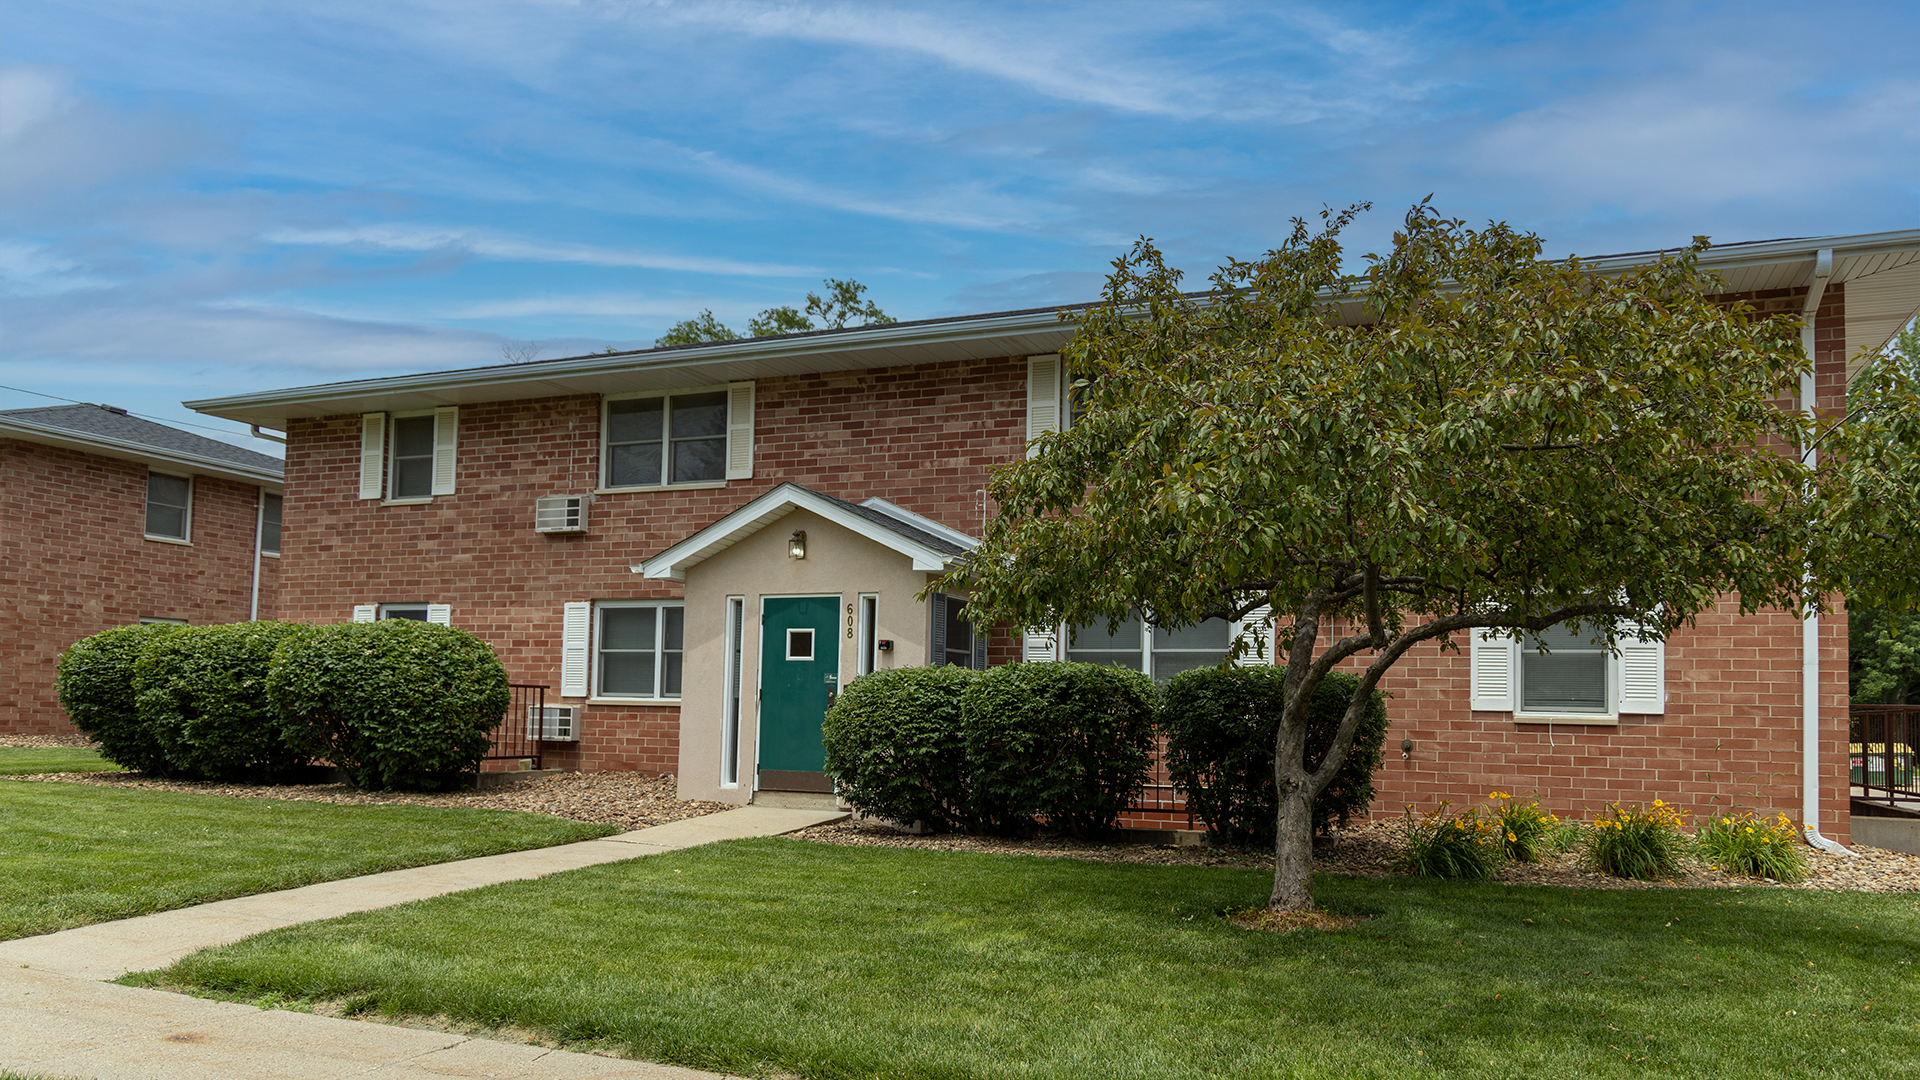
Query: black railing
[
  {"x": 1882, "y": 741},
  {"x": 517, "y": 738}
]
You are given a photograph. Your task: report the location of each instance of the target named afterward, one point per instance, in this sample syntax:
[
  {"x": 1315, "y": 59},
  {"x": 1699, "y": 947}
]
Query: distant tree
[
  {"x": 520, "y": 352},
  {"x": 1499, "y": 443},
  {"x": 841, "y": 305},
  {"x": 1884, "y": 643}
]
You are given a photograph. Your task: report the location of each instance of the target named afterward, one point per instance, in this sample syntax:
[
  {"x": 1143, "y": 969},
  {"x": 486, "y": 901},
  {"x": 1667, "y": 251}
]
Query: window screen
[
  {"x": 1561, "y": 671},
  {"x": 1175, "y": 651},
  {"x": 168, "y": 501},
  {"x": 412, "y": 458},
  {"x": 1095, "y": 645},
  {"x": 270, "y": 523},
  {"x": 959, "y": 638},
  {"x": 666, "y": 440}
]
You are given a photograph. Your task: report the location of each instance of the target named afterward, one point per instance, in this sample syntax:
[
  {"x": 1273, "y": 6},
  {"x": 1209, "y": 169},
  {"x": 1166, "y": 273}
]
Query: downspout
[
  {"x": 1810, "y": 618},
  {"x": 259, "y": 538}
]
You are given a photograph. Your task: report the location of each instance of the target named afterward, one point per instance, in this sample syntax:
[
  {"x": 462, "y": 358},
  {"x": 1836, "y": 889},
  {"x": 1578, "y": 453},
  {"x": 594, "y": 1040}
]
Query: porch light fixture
[{"x": 797, "y": 545}]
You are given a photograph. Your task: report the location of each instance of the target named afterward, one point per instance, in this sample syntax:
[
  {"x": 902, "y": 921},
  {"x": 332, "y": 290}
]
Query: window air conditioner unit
[
  {"x": 561, "y": 513},
  {"x": 553, "y": 723}
]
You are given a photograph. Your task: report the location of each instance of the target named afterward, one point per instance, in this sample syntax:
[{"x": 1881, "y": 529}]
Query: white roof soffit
[
  {"x": 1746, "y": 267},
  {"x": 673, "y": 563},
  {"x": 151, "y": 456}
]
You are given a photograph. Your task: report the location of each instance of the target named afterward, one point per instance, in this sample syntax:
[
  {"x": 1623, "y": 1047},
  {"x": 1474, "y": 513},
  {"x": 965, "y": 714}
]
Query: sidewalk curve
[{"x": 57, "y": 1017}]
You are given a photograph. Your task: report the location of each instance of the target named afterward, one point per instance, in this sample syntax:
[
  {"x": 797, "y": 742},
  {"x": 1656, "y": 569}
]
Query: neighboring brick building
[
  {"x": 416, "y": 496},
  {"x": 106, "y": 520}
]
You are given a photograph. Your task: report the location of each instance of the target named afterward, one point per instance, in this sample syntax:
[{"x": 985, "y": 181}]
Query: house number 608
[{"x": 849, "y": 622}]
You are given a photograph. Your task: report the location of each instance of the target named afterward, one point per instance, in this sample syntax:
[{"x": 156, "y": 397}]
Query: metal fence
[
  {"x": 1882, "y": 741},
  {"x": 517, "y": 738}
]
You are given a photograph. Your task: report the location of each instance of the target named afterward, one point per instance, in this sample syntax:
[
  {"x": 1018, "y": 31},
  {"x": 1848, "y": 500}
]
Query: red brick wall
[
  {"x": 76, "y": 563},
  {"x": 922, "y": 437}
]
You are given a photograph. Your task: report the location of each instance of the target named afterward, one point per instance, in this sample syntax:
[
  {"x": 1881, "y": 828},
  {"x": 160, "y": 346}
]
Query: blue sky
[{"x": 201, "y": 199}]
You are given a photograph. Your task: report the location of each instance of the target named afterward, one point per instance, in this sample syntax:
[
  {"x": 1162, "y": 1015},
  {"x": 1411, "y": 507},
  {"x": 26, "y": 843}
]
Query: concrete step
[{"x": 797, "y": 800}]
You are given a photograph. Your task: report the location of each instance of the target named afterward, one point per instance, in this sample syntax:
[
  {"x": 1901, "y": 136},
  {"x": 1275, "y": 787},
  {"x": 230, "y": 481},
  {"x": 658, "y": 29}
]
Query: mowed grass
[
  {"x": 20, "y": 761},
  {"x": 779, "y": 955},
  {"x": 72, "y": 854}
]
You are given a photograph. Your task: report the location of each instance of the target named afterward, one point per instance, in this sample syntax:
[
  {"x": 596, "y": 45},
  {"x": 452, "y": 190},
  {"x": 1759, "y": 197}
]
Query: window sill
[
  {"x": 648, "y": 702},
  {"x": 700, "y": 486},
  {"x": 270, "y": 554},
  {"x": 421, "y": 501},
  {"x": 167, "y": 540},
  {"x": 1567, "y": 720}
]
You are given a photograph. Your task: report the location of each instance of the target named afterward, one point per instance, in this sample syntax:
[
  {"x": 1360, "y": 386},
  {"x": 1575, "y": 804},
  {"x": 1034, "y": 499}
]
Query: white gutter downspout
[
  {"x": 259, "y": 538},
  {"x": 1810, "y": 619}
]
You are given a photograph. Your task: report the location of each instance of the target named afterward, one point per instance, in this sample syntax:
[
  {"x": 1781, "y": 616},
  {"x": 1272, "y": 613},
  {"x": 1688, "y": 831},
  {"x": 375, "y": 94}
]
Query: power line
[{"x": 143, "y": 416}]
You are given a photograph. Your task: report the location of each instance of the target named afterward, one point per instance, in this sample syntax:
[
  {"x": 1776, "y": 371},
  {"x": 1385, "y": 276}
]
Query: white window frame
[
  {"x": 393, "y": 455},
  {"x": 186, "y": 518},
  {"x": 280, "y": 524},
  {"x": 666, "y": 438},
  {"x": 660, "y": 651},
  {"x": 1497, "y": 681},
  {"x": 1040, "y": 641}
]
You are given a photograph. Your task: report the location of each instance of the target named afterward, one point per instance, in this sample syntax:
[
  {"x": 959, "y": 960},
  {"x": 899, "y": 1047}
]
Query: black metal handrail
[
  {"x": 517, "y": 736},
  {"x": 1882, "y": 742}
]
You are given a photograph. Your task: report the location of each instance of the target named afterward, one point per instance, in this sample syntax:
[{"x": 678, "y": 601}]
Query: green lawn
[
  {"x": 72, "y": 854},
  {"x": 18, "y": 761},
  {"x": 779, "y": 955}
]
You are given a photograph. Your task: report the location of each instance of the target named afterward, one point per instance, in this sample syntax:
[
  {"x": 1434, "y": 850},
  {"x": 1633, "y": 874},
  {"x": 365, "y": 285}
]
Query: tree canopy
[
  {"x": 1884, "y": 642},
  {"x": 833, "y": 311},
  {"x": 1461, "y": 436}
]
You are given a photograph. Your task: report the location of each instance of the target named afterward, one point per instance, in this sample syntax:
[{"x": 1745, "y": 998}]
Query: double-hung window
[
  {"x": 169, "y": 506},
  {"x": 637, "y": 648},
  {"x": 411, "y": 461},
  {"x": 1158, "y": 652},
  {"x": 1563, "y": 676},
  {"x": 410, "y": 457},
  {"x": 269, "y": 524}
]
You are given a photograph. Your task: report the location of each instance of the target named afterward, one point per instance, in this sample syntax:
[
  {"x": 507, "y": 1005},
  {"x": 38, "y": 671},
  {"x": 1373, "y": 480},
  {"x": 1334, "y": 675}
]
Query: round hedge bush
[
  {"x": 1220, "y": 725},
  {"x": 202, "y": 697},
  {"x": 1070, "y": 744},
  {"x": 96, "y": 690},
  {"x": 895, "y": 748},
  {"x": 395, "y": 703}
]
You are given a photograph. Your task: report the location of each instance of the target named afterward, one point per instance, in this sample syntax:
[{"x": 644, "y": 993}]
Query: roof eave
[
  {"x": 46, "y": 435},
  {"x": 673, "y": 563}
]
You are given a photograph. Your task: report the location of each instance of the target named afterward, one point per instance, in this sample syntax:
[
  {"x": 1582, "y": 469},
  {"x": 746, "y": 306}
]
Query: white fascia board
[
  {"x": 924, "y": 524},
  {"x": 672, "y": 564},
  {"x": 894, "y": 345},
  {"x": 140, "y": 453},
  {"x": 1772, "y": 251}
]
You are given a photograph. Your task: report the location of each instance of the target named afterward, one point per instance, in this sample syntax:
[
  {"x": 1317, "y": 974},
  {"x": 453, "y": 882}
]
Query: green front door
[{"x": 799, "y": 674}]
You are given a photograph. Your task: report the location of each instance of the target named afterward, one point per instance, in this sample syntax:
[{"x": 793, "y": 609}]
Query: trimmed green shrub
[
  {"x": 202, "y": 696},
  {"x": 96, "y": 689},
  {"x": 1220, "y": 725},
  {"x": 895, "y": 747},
  {"x": 1068, "y": 743},
  {"x": 395, "y": 703}
]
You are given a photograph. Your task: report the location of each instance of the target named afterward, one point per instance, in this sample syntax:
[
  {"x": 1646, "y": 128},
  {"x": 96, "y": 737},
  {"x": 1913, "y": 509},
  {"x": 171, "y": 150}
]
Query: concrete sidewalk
[{"x": 57, "y": 1016}]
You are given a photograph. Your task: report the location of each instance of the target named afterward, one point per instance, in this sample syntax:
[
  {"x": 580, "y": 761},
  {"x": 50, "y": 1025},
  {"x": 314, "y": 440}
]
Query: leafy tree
[
  {"x": 831, "y": 312},
  {"x": 1885, "y": 642},
  {"x": 1463, "y": 436}
]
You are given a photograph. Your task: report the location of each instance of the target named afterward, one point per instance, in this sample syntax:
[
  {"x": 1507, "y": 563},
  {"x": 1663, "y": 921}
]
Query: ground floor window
[
  {"x": 1563, "y": 671},
  {"x": 638, "y": 646},
  {"x": 1134, "y": 645},
  {"x": 953, "y": 639}
]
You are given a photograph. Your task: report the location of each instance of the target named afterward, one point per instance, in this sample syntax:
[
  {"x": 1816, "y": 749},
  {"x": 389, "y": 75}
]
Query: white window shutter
[
  {"x": 366, "y": 612},
  {"x": 1643, "y": 675},
  {"x": 440, "y": 614},
  {"x": 373, "y": 454},
  {"x": 1494, "y": 669},
  {"x": 1260, "y": 643},
  {"x": 1040, "y": 645},
  {"x": 740, "y": 431},
  {"x": 1043, "y": 397},
  {"x": 446, "y": 440},
  {"x": 576, "y": 632}
]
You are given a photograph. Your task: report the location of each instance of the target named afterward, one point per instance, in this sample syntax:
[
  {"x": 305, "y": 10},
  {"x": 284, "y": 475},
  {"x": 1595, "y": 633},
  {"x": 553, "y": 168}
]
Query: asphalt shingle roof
[
  {"x": 887, "y": 521},
  {"x": 103, "y": 423}
]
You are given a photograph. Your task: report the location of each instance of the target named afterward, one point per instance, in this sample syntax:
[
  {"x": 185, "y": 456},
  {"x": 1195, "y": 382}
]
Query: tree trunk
[{"x": 1293, "y": 847}]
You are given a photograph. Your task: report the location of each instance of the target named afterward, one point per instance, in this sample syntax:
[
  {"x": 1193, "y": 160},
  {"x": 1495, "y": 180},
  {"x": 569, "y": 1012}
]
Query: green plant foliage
[
  {"x": 1884, "y": 647},
  {"x": 1632, "y": 842},
  {"x": 202, "y": 695},
  {"x": 830, "y": 312},
  {"x": 394, "y": 703},
  {"x": 96, "y": 690},
  {"x": 895, "y": 746},
  {"x": 1527, "y": 830},
  {"x": 1068, "y": 743},
  {"x": 1753, "y": 846},
  {"x": 1444, "y": 844},
  {"x": 1220, "y": 725}
]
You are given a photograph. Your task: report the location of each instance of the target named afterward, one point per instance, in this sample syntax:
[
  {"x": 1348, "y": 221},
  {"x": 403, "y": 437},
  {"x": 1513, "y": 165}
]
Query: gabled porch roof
[{"x": 931, "y": 545}]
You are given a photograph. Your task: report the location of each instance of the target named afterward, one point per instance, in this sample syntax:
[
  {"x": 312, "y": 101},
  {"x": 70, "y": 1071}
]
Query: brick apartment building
[
  {"x": 667, "y": 540},
  {"x": 107, "y": 520}
]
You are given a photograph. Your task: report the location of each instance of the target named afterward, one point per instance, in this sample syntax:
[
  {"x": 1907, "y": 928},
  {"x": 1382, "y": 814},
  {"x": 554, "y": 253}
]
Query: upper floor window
[
  {"x": 412, "y": 458},
  {"x": 269, "y": 523},
  {"x": 169, "y": 506},
  {"x": 670, "y": 439}
]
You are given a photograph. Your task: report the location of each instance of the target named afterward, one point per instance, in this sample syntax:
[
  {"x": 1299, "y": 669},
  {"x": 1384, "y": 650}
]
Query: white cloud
[
  {"x": 515, "y": 249},
  {"x": 33, "y": 270},
  {"x": 54, "y": 142}
]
